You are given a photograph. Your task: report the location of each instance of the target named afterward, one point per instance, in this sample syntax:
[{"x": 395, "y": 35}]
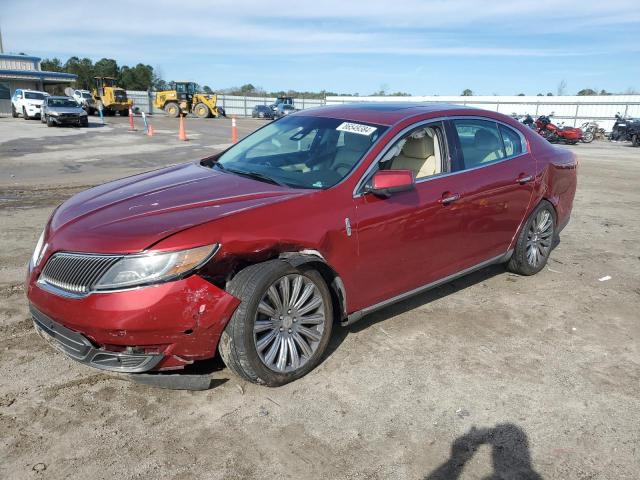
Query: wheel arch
[{"x": 313, "y": 259}]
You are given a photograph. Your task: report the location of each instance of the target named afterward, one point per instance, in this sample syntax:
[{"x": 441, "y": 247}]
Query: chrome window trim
[{"x": 358, "y": 189}]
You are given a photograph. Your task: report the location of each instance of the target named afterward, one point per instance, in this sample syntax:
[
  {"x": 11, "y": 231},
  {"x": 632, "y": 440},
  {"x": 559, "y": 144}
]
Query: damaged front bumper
[
  {"x": 155, "y": 328},
  {"x": 78, "y": 347}
]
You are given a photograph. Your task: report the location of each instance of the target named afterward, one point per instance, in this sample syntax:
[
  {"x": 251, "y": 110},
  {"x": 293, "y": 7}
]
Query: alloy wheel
[
  {"x": 289, "y": 323},
  {"x": 539, "y": 238}
]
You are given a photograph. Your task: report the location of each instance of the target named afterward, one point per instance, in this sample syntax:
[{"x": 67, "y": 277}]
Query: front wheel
[
  {"x": 587, "y": 137},
  {"x": 201, "y": 110},
  {"x": 535, "y": 241},
  {"x": 172, "y": 109},
  {"x": 14, "y": 112},
  {"x": 24, "y": 114},
  {"x": 635, "y": 140},
  {"x": 282, "y": 326}
]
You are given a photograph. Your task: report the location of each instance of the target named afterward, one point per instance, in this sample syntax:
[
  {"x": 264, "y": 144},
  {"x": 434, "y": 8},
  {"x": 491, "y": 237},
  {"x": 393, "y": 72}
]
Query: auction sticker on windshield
[{"x": 356, "y": 128}]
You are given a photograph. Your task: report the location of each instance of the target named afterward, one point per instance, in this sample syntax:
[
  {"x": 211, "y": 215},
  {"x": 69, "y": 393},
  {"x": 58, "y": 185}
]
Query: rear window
[{"x": 480, "y": 140}]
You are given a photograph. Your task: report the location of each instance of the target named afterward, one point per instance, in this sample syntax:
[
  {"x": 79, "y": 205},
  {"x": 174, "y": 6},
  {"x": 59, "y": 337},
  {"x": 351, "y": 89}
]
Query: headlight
[
  {"x": 135, "y": 270},
  {"x": 53, "y": 113},
  {"x": 37, "y": 253}
]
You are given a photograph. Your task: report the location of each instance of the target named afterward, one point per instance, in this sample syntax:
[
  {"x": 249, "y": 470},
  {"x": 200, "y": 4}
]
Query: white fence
[
  {"x": 572, "y": 110},
  {"x": 233, "y": 105}
]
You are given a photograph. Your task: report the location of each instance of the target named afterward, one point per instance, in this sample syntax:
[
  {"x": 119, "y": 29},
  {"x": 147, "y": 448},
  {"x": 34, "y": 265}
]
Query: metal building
[{"x": 23, "y": 71}]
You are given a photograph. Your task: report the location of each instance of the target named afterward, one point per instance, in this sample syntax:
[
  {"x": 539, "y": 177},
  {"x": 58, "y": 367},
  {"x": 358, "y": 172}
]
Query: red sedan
[{"x": 318, "y": 218}]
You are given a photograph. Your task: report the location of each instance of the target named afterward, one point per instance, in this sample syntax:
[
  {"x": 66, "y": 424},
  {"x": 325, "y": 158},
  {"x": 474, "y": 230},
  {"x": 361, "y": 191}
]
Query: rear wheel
[
  {"x": 535, "y": 241},
  {"x": 587, "y": 137},
  {"x": 635, "y": 140},
  {"x": 282, "y": 326},
  {"x": 201, "y": 110},
  {"x": 172, "y": 109}
]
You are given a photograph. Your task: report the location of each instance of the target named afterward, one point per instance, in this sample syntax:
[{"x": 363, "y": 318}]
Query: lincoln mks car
[{"x": 309, "y": 223}]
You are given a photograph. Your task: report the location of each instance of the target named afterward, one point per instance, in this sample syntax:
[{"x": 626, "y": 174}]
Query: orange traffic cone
[
  {"x": 182, "y": 135},
  {"x": 150, "y": 131},
  {"x": 234, "y": 130},
  {"x": 131, "y": 127}
]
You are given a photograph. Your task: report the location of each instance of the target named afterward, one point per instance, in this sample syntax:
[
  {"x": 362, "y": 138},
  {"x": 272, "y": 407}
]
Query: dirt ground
[{"x": 491, "y": 374}]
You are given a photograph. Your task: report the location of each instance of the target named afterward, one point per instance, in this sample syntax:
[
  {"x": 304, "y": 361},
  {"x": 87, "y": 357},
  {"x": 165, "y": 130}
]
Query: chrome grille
[{"x": 76, "y": 272}]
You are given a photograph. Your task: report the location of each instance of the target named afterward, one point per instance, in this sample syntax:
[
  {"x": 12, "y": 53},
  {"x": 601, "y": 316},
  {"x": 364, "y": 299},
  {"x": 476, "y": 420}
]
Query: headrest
[
  {"x": 420, "y": 144},
  {"x": 485, "y": 140},
  {"x": 355, "y": 141}
]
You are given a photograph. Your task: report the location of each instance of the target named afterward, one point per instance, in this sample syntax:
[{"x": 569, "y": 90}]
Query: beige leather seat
[
  {"x": 420, "y": 153},
  {"x": 354, "y": 147}
]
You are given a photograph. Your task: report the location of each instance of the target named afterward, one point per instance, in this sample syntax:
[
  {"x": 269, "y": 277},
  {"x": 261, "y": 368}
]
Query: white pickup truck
[{"x": 27, "y": 103}]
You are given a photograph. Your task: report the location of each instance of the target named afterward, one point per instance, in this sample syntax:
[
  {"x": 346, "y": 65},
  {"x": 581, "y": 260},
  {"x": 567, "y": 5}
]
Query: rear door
[{"x": 498, "y": 172}]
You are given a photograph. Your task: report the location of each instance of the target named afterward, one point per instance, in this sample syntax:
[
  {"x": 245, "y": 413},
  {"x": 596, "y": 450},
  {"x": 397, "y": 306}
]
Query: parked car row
[
  {"x": 50, "y": 109},
  {"x": 283, "y": 106}
]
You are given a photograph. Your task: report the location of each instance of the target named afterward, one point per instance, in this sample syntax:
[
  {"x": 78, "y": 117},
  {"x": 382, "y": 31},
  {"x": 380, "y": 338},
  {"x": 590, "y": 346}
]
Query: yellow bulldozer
[
  {"x": 110, "y": 97},
  {"x": 184, "y": 99}
]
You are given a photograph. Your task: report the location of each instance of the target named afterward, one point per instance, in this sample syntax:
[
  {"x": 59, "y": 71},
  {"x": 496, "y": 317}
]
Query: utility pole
[{"x": 1, "y": 47}]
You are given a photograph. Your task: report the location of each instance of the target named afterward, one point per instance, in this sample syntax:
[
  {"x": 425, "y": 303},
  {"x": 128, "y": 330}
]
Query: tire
[
  {"x": 124, "y": 113},
  {"x": 587, "y": 137},
  {"x": 635, "y": 140},
  {"x": 43, "y": 118},
  {"x": 24, "y": 114},
  {"x": 530, "y": 259},
  {"x": 239, "y": 343},
  {"x": 50, "y": 122},
  {"x": 201, "y": 110},
  {"x": 14, "y": 113},
  {"x": 172, "y": 109},
  {"x": 84, "y": 123}
]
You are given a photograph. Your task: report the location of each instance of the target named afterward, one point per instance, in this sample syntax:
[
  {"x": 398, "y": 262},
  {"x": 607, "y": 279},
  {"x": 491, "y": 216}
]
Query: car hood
[
  {"x": 65, "y": 109},
  {"x": 29, "y": 101},
  {"x": 132, "y": 214}
]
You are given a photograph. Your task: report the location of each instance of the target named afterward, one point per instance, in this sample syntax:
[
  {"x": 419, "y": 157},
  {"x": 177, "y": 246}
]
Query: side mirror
[{"x": 385, "y": 182}]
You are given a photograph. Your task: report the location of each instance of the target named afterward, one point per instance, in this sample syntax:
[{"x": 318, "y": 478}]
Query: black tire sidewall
[
  {"x": 518, "y": 262},
  {"x": 242, "y": 323}
]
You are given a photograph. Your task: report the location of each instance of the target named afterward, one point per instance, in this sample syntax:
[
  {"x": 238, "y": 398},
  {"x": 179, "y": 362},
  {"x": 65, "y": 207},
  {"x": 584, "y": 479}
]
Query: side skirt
[{"x": 355, "y": 316}]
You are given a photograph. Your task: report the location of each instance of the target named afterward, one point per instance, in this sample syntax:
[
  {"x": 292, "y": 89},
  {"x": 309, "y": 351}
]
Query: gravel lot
[{"x": 493, "y": 373}]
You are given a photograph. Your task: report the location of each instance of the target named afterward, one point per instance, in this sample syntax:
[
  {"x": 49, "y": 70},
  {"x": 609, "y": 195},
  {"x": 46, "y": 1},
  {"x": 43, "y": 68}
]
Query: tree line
[{"x": 144, "y": 77}]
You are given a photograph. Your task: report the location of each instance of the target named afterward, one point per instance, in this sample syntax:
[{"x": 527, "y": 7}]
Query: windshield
[
  {"x": 61, "y": 102},
  {"x": 301, "y": 152},
  {"x": 34, "y": 96},
  {"x": 86, "y": 95}
]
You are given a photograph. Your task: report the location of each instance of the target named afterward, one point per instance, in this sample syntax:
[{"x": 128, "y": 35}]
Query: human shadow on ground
[{"x": 509, "y": 454}]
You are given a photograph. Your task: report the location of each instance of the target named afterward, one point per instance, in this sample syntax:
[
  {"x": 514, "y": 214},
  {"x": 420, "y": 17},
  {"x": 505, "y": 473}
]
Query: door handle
[
  {"x": 522, "y": 179},
  {"x": 448, "y": 198}
]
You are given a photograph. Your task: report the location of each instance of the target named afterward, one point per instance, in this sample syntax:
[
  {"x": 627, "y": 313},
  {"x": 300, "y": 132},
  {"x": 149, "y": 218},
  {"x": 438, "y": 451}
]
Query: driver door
[{"x": 410, "y": 239}]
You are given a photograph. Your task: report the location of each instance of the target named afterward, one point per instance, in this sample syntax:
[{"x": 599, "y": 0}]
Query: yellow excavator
[
  {"x": 184, "y": 99},
  {"x": 111, "y": 97}
]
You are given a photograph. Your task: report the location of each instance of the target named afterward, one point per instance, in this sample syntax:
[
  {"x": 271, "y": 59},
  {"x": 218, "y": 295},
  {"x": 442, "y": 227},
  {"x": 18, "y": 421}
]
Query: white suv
[{"x": 27, "y": 103}]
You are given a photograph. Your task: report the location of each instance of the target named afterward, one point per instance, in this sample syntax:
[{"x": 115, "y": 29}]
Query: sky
[{"x": 429, "y": 47}]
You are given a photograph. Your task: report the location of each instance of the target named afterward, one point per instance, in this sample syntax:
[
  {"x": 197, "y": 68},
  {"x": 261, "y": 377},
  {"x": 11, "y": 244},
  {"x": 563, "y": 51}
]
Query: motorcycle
[
  {"x": 591, "y": 131},
  {"x": 622, "y": 128},
  {"x": 554, "y": 134}
]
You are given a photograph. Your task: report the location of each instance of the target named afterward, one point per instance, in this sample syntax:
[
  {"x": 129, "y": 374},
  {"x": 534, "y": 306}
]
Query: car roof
[
  {"x": 60, "y": 97},
  {"x": 389, "y": 113},
  {"x": 31, "y": 91}
]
